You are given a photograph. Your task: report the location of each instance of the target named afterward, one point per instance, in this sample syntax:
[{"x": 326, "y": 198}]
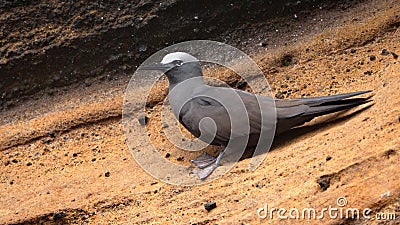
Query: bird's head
[{"x": 178, "y": 66}]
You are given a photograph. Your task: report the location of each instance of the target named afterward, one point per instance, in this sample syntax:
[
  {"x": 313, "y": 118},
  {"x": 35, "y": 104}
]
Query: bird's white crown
[{"x": 182, "y": 56}]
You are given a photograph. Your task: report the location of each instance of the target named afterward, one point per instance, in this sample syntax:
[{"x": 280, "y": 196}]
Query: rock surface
[{"x": 70, "y": 133}]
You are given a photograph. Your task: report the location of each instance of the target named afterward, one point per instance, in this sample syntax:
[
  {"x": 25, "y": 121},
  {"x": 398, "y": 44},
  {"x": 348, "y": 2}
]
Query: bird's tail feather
[
  {"x": 293, "y": 116},
  {"x": 330, "y": 99},
  {"x": 335, "y": 106}
]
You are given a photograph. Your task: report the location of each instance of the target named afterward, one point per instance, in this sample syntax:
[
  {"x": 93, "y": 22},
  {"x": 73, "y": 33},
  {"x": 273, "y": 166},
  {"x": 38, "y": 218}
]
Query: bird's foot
[
  {"x": 204, "y": 160},
  {"x": 205, "y": 172},
  {"x": 207, "y": 164}
]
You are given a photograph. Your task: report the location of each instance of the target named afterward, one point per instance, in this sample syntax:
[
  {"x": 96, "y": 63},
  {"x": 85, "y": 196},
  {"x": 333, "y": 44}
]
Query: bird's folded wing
[{"x": 202, "y": 107}]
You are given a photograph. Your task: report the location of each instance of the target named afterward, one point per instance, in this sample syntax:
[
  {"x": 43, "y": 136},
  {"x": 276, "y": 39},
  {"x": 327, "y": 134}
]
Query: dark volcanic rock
[
  {"x": 385, "y": 52},
  {"x": 59, "y": 215},
  {"x": 324, "y": 182},
  {"x": 143, "y": 120},
  {"x": 210, "y": 205},
  {"x": 372, "y": 58},
  {"x": 279, "y": 95}
]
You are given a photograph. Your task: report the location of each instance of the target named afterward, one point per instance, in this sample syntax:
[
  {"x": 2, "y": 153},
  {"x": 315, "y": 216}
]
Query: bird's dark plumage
[
  {"x": 192, "y": 101},
  {"x": 295, "y": 112}
]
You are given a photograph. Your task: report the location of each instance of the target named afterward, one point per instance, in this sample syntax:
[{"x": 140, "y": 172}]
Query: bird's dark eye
[{"x": 178, "y": 62}]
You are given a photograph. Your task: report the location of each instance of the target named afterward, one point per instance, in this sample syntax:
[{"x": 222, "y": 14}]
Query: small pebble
[
  {"x": 142, "y": 47},
  {"x": 395, "y": 56},
  {"x": 167, "y": 155},
  {"x": 262, "y": 44},
  {"x": 210, "y": 205},
  {"x": 353, "y": 51},
  {"x": 52, "y": 134},
  {"x": 328, "y": 158},
  {"x": 107, "y": 174},
  {"x": 369, "y": 72},
  {"x": 14, "y": 161},
  {"x": 180, "y": 158},
  {"x": 29, "y": 164},
  {"x": 372, "y": 57},
  {"x": 279, "y": 95},
  {"x": 241, "y": 84},
  {"x": 385, "y": 52},
  {"x": 324, "y": 182},
  {"x": 365, "y": 119},
  {"x": 46, "y": 141},
  {"x": 143, "y": 120},
  {"x": 165, "y": 125},
  {"x": 59, "y": 215},
  {"x": 85, "y": 217}
]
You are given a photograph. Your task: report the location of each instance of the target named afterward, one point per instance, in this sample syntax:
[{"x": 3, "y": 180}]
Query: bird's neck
[
  {"x": 189, "y": 81},
  {"x": 182, "y": 92}
]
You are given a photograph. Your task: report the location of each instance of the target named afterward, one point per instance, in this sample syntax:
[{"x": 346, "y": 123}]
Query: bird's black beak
[{"x": 157, "y": 66}]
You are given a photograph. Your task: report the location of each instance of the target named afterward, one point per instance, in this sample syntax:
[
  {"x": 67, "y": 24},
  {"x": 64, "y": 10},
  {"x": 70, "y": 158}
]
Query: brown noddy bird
[{"x": 192, "y": 101}]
